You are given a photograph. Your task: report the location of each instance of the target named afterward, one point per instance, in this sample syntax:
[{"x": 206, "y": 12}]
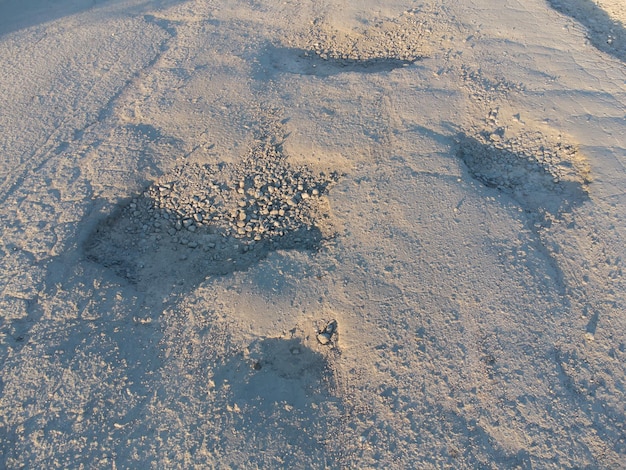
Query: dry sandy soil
[{"x": 192, "y": 191}]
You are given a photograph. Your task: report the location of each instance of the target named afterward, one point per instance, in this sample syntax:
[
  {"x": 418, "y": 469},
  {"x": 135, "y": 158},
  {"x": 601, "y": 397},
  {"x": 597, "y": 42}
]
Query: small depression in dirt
[
  {"x": 324, "y": 51},
  {"x": 277, "y": 60},
  {"x": 277, "y": 370},
  {"x": 545, "y": 179}
]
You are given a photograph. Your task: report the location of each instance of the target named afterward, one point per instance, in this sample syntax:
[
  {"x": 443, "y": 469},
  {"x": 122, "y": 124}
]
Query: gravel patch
[{"x": 203, "y": 220}]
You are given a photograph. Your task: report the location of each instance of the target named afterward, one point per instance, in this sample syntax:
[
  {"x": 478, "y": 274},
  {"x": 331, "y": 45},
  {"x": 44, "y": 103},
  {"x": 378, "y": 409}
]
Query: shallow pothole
[
  {"x": 382, "y": 46},
  {"x": 544, "y": 178}
]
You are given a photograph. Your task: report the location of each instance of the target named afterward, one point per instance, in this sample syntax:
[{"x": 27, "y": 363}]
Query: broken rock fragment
[{"x": 325, "y": 335}]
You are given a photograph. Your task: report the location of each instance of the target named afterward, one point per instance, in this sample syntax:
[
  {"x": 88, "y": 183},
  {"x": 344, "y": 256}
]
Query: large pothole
[{"x": 204, "y": 220}]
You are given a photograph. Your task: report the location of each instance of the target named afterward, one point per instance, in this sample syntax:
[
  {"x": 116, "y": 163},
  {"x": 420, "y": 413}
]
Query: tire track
[{"x": 63, "y": 134}]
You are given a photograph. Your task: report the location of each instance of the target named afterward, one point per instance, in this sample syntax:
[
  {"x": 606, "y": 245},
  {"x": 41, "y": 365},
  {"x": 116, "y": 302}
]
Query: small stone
[
  {"x": 323, "y": 338},
  {"x": 325, "y": 335}
]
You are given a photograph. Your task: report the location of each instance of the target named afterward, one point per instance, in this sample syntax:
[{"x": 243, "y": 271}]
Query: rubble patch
[{"x": 205, "y": 220}]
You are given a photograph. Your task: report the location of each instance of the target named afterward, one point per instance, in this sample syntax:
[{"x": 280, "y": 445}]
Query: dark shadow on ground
[
  {"x": 605, "y": 33},
  {"x": 285, "y": 398},
  {"x": 20, "y": 14},
  {"x": 274, "y": 61}
]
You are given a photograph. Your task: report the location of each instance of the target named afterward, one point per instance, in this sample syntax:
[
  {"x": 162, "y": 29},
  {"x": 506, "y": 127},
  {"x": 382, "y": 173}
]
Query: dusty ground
[{"x": 191, "y": 191}]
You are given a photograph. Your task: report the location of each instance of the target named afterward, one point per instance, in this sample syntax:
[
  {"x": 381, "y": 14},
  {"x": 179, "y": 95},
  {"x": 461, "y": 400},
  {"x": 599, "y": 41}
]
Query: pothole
[
  {"x": 292, "y": 359},
  {"x": 544, "y": 177},
  {"x": 203, "y": 220},
  {"x": 307, "y": 62},
  {"x": 401, "y": 39},
  {"x": 277, "y": 370},
  {"x": 281, "y": 391},
  {"x": 378, "y": 47}
]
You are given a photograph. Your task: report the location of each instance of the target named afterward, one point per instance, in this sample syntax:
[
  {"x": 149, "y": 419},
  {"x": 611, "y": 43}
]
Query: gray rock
[{"x": 325, "y": 335}]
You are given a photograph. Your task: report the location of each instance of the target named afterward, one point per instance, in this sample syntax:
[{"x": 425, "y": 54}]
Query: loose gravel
[{"x": 204, "y": 220}]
